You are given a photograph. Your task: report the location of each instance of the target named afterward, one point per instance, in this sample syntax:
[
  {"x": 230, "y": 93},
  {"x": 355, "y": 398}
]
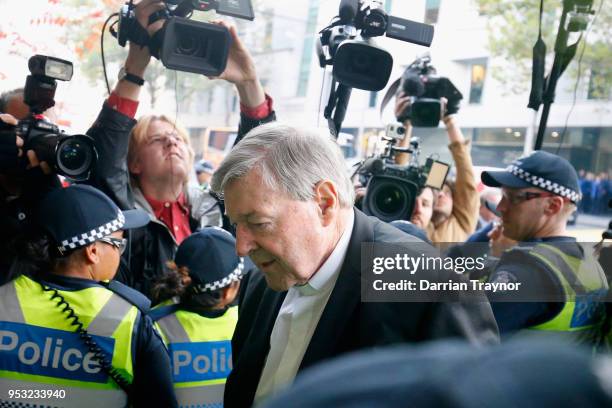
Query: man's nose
[
  {"x": 172, "y": 140},
  {"x": 244, "y": 241},
  {"x": 417, "y": 207}
]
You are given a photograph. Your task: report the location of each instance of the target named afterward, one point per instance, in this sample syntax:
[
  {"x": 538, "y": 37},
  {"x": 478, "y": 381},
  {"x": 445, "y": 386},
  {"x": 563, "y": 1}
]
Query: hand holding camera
[
  {"x": 70, "y": 155},
  {"x": 11, "y": 148},
  {"x": 139, "y": 56},
  {"x": 180, "y": 43},
  {"x": 431, "y": 97},
  {"x": 240, "y": 70}
]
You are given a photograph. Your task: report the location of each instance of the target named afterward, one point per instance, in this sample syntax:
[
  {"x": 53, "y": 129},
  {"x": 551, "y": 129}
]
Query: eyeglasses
[
  {"x": 119, "y": 243},
  {"x": 517, "y": 198}
]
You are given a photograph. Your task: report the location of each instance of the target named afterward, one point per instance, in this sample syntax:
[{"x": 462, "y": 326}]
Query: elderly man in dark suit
[{"x": 290, "y": 199}]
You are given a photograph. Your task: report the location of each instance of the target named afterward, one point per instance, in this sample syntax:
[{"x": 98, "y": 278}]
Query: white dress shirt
[{"x": 297, "y": 319}]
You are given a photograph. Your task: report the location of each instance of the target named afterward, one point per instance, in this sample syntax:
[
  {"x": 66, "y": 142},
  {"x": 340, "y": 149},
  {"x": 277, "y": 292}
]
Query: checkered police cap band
[
  {"x": 236, "y": 275},
  {"x": 93, "y": 235},
  {"x": 540, "y": 182}
]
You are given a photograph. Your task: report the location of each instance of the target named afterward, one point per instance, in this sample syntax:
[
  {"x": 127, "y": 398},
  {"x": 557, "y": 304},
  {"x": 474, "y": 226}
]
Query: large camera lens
[
  {"x": 389, "y": 198},
  {"x": 190, "y": 45},
  {"x": 75, "y": 156}
]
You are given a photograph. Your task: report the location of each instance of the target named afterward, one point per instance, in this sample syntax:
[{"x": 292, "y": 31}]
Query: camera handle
[
  {"x": 338, "y": 101},
  {"x": 89, "y": 341}
]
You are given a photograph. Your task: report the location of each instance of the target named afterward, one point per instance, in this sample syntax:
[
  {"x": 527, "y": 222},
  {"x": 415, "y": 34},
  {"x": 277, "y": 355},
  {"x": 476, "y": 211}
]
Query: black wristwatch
[{"x": 135, "y": 79}]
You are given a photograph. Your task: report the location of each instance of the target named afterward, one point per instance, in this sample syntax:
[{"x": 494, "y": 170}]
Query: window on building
[
  {"x": 373, "y": 98},
  {"x": 307, "y": 50},
  {"x": 388, "y": 4},
  {"x": 432, "y": 9},
  {"x": 598, "y": 88},
  {"x": 268, "y": 30},
  {"x": 209, "y": 103},
  {"x": 477, "y": 80}
]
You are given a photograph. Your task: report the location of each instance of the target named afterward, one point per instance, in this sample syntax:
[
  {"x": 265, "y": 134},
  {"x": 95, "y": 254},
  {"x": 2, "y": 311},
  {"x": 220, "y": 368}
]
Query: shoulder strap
[
  {"x": 551, "y": 256},
  {"x": 390, "y": 94},
  {"x": 131, "y": 295},
  {"x": 162, "y": 311}
]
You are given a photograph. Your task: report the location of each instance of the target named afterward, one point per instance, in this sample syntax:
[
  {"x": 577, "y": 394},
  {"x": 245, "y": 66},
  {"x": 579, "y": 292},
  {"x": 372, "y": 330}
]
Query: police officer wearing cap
[
  {"x": 69, "y": 335},
  {"x": 204, "y": 171},
  {"x": 197, "y": 317},
  {"x": 561, "y": 285}
]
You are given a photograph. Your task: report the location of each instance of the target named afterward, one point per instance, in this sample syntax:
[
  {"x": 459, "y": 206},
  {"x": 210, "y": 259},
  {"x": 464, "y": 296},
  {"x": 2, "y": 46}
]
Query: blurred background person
[
  {"x": 454, "y": 375},
  {"x": 204, "y": 171}
]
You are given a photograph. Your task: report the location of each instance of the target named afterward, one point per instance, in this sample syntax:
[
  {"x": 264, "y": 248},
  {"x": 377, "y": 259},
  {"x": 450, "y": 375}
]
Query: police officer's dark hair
[
  {"x": 36, "y": 253},
  {"x": 176, "y": 282},
  {"x": 6, "y": 97}
]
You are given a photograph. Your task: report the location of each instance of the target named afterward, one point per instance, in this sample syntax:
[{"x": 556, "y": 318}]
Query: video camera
[
  {"x": 72, "y": 156},
  {"x": 391, "y": 189},
  {"x": 183, "y": 44},
  {"x": 347, "y": 44},
  {"x": 420, "y": 80}
]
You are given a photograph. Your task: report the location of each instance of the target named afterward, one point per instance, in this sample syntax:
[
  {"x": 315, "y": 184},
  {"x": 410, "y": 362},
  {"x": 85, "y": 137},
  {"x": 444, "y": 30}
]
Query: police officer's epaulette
[{"x": 131, "y": 295}]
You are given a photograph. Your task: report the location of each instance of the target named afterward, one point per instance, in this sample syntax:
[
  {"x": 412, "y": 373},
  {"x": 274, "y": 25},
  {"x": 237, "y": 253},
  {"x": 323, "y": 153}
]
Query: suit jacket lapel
[
  {"x": 257, "y": 343},
  {"x": 344, "y": 298}
]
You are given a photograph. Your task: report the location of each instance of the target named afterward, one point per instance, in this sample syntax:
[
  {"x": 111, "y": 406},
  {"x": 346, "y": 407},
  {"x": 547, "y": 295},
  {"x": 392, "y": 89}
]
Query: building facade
[{"x": 283, "y": 40}]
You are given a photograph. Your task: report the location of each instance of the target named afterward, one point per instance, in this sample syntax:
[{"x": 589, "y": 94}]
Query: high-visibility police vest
[
  {"x": 200, "y": 352},
  {"x": 39, "y": 349},
  {"x": 584, "y": 285}
]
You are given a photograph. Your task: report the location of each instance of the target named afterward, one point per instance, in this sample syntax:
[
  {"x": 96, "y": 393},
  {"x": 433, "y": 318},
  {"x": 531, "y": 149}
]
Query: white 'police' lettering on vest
[
  {"x": 201, "y": 361},
  {"x": 53, "y": 353}
]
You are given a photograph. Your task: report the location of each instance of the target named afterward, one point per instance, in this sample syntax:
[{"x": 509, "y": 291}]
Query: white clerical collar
[{"x": 326, "y": 274}]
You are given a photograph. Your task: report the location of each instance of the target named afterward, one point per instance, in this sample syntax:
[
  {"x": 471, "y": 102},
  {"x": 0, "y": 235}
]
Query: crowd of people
[
  {"x": 596, "y": 192},
  {"x": 139, "y": 288}
]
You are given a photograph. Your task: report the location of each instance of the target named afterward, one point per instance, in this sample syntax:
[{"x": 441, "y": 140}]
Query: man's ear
[
  {"x": 92, "y": 254},
  {"x": 326, "y": 196},
  {"x": 554, "y": 205},
  {"x": 134, "y": 166}
]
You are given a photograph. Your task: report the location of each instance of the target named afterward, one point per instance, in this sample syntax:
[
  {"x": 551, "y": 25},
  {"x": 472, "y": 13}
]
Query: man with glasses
[{"x": 561, "y": 285}]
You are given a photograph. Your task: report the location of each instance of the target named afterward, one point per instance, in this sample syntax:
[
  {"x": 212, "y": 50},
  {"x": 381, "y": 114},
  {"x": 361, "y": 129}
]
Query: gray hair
[
  {"x": 6, "y": 97},
  {"x": 291, "y": 160}
]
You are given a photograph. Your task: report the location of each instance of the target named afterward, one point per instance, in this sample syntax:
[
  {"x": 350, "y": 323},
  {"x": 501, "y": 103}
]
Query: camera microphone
[{"x": 348, "y": 10}]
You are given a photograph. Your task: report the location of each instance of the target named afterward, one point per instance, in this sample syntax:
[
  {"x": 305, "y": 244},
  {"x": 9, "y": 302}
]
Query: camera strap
[
  {"x": 390, "y": 94},
  {"x": 155, "y": 42},
  {"x": 537, "y": 69},
  {"x": 99, "y": 355}
]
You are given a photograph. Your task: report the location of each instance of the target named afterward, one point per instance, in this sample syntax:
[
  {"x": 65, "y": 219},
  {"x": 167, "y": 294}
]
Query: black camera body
[
  {"x": 347, "y": 44},
  {"x": 72, "y": 156},
  {"x": 421, "y": 81},
  {"x": 183, "y": 44},
  {"x": 392, "y": 189}
]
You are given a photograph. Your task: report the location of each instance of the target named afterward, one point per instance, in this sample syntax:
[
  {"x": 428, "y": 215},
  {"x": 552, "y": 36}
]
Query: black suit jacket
[{"x": 346, "y": 324}]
